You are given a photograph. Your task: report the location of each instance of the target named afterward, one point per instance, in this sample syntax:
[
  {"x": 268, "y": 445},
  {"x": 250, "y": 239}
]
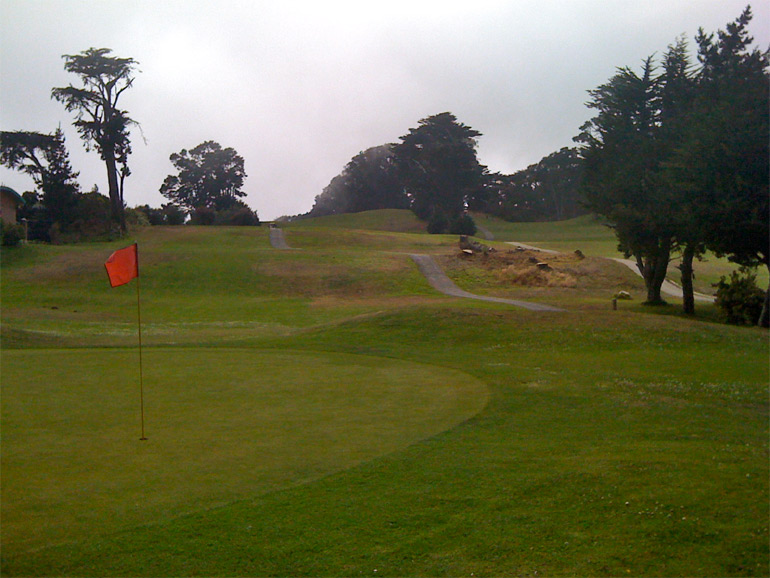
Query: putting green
[{"x": 223, "y": 425}]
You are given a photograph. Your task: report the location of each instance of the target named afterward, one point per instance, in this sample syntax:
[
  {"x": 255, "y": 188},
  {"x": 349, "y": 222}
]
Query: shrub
[
  {"x": 154, "y": 216},
  {"x": 241, "y": 216},
  {"x": 12, "y": 235},
  {"x": 203, "y": 216},
  {"x": 437, "y": 224},
  {"x": 739, "y": 298},
  {"x": 137, "y": 218},
  {"x": 463, "y": 225},
  {"x": 173, "y": 214}
]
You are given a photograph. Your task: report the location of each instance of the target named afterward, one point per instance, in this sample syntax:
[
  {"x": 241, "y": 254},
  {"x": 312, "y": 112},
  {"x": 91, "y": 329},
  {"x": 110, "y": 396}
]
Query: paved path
[
  {"x": 439, "y": 281},
  {"x": 531, "y": 248},
  {"x": 277, "y": 240},
  {"x": 488, "y": 235}
]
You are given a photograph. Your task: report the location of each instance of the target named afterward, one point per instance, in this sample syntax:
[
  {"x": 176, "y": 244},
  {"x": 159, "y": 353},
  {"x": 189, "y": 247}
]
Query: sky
[{"x": 298, "y": 88}]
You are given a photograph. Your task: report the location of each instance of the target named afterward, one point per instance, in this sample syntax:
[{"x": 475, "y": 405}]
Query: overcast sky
[{"x": 299, "y": 88}]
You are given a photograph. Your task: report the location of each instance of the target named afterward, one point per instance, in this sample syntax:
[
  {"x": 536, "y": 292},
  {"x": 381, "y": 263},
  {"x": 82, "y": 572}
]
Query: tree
[
  {"x": 208, "y": 176},
  {"x": 439, "y": 168},
  {"x": 99, "y": 120},
  {"x": 44, "y": 157},
  {"x": 545, "y": 191},
  {"x": 621, "y": 159},
  {"x": 722, "y": 160},
  {"x": 676, "y": 90},
  {"x": 368, "y": 182}
]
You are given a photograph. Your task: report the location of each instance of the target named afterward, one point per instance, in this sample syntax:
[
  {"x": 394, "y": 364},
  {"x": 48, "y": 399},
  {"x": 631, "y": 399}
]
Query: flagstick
[{"x": 139, "y": 319}]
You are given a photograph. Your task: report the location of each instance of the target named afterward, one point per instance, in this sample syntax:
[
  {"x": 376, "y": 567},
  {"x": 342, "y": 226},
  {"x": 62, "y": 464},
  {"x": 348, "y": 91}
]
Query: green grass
[
  {"x": 219, "y": 426},
  {"x": 323, "y": 411}
]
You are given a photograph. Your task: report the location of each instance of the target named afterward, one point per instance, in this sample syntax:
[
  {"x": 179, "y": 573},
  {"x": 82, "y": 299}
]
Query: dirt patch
[{"x": 529, "y": 268}]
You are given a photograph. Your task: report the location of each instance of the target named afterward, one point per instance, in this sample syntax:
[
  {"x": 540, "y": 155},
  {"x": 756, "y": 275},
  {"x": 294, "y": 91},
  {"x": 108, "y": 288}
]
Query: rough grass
[
  {"x": 611, "y": 443},
  {"x": 593, "y": 237}
]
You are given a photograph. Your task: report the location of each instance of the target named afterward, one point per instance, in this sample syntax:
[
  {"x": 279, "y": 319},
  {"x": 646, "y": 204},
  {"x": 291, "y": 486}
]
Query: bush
[
  {"x": 137, "y": 218},
  {"x": 463, "y": 225},
  {"x": 154, "y": 216},
  {"x": 203, "y": 216},
  {"x": 173, "y": 214},
  {"x": 437, "y": 224},
  {"x": 739, "y": 298},
  {"x": 241, "y": 216},
  {"x": 12, "y": 235}
]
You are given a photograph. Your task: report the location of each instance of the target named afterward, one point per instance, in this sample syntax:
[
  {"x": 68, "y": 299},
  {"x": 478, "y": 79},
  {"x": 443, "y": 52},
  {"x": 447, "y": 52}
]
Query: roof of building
[{"x": 10, "y": 191}]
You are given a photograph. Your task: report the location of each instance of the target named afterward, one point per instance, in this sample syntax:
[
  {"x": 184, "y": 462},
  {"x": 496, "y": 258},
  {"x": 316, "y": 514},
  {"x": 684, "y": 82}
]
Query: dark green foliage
[
  {"x": 92, "y": 219},
  {"x": 438, "y": 166},
  {"x": 173, "y": 214},
  {"x": 154, "y": 216},
  {"x": 44, "y": 158},
  {"x": 12, "y": 235},
  {"x": 99, "y": 120},
  {"x": 722, "y": 162},
  {"x": 437, "y": 223},
  {"x": 168, "y": 214},
  {"x": 239, "y": 215},
  {"x": 463, "y": 225},
  {"x": 208, "y": 176},
  {"x": 621, "y": 156},
  {"x": 545, "y": 191},
  {"x": 203, "y": 216},
  {"x": 370, "y": 181},
  {"x": 679, "y": 160},
  {"x": 739, "y": 298}
]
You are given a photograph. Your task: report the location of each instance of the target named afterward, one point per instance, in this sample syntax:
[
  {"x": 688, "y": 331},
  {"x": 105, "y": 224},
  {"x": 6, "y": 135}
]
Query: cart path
[
  {"x": 488, "y": 235},
  {"x": 439, "y": 281},
  {"x": 277, "y": 239}
]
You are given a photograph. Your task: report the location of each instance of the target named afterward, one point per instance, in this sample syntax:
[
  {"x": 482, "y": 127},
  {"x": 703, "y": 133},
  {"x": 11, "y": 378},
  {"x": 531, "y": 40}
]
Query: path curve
[
  {"x": 488, "y": 235},
  {"x": 277, "y": 239},
  {"x": 439, "y": 281},
  {"x": 668, "y": 287}
]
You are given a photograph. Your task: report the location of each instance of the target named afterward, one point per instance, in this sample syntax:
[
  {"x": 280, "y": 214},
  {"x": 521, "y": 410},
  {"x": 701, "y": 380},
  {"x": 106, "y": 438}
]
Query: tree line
[
  {"x": 434, "y": 171},
  {"x": 208, "y": 186}
]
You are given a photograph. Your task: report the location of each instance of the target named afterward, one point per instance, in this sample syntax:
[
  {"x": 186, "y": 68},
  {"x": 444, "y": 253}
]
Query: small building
[{"x": 9, "y": 202}]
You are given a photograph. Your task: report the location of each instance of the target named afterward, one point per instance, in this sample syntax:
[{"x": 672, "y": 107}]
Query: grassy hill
[{"x": 324, "y": 411}]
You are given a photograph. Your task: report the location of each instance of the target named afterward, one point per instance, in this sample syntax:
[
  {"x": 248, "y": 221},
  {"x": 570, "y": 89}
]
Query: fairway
[
  {"x": 325, "y": 411},
  {"x": 223, "y": 425}
]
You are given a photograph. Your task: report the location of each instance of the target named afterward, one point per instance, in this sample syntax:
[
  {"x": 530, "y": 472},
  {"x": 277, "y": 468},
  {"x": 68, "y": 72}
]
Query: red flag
[{"x": 123, "y": 265}]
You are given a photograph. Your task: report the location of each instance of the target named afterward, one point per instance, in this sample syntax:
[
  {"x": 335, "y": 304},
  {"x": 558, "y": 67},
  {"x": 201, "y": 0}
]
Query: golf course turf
[{"x": 325, "y": 411}]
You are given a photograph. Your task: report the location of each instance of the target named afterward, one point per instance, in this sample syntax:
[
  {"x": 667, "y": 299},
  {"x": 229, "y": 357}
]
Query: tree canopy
[
  {"x": 439, "y": 169},
  {"x": 368, "y": 182},
  {"x": 208, "y": 177}
]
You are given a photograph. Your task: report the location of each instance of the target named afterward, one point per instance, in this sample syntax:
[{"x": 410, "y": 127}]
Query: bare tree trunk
[
  {"x": 764, "y": 318},
  {"x": 688, "y": 296},
  {"x": 653, "y": 267},
  {"x": 116, "y": 205}
]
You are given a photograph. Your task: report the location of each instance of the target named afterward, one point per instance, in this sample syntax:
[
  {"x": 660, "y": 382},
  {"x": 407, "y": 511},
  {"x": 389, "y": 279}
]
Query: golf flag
[{"x": 123, "y": 265}]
